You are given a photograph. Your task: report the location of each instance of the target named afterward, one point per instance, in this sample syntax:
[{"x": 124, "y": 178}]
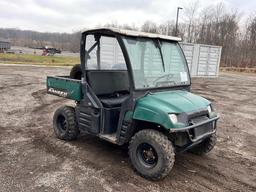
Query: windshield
[{"x": 156, "y": 63}]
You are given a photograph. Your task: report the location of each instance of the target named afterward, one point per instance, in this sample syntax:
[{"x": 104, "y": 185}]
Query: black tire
[
  {"x": 76, "y": 72},
  {"x": 153, "y": 167},
  {"x": 205, "y": 146},
  {"x": 64, "y": 123}
]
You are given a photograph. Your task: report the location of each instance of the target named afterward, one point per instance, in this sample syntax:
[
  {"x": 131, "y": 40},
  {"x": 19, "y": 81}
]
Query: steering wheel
[{"x": 168, "y": 76}]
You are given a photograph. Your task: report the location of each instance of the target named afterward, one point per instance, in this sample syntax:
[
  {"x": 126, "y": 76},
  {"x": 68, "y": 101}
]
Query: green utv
[{"x": 135, "y": 89}]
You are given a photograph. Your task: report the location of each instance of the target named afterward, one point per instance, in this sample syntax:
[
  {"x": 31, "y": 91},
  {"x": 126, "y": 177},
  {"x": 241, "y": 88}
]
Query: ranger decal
[{"x": 58, "y": 92}]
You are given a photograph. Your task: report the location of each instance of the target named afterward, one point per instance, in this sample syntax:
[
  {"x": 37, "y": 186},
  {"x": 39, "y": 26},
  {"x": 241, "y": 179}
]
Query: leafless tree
[
  {"x": 150, "y": 27},
  {"x": 190, "y": 12}
]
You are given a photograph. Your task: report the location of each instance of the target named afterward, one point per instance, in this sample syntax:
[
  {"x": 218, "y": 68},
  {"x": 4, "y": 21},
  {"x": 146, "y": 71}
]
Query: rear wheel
[
  {"x": 64, "y": 123},
  {"x": 76, "y": 72},
  {"x": 205, "y": 146},
  {"x": 152, "y": 154}
]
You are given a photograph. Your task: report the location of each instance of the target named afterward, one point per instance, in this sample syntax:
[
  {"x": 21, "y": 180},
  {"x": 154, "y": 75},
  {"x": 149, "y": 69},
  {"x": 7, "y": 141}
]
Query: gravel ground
[{"x": 32, "y": 159}]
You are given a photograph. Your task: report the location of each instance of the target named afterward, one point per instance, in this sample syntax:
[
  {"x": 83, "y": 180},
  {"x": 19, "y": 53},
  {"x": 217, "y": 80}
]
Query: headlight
[
  {"x": 209, "y": 108},
  {"x": 173, "y": 118}
]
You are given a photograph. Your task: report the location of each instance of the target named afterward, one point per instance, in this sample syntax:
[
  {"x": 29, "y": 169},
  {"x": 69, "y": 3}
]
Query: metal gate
[{"x": 203, "y": 60}]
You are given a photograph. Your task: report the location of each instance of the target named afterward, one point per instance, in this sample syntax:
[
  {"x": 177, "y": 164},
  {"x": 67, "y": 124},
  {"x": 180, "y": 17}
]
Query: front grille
[{"x": 202, "y": 129}]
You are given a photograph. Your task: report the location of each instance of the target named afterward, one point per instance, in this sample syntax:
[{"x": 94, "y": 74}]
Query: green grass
[{"x": 38, "y": 59}]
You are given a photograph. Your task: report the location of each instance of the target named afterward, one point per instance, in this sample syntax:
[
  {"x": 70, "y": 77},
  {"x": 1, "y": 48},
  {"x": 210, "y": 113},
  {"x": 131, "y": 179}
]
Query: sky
[{"x": 74, "y": 15}]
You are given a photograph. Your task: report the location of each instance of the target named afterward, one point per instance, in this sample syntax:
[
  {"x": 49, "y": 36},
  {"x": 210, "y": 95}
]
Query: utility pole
[{"x": 177, "y": 20}]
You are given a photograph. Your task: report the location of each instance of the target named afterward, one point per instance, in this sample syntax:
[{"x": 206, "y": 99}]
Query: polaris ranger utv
[{"x": 135, "y": 90}]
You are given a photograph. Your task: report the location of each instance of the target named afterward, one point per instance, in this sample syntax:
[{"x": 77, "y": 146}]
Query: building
[{"x": 4, "y": 45}]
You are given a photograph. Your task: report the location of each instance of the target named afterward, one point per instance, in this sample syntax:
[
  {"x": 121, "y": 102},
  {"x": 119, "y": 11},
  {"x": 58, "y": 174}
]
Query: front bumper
[{"x": 194, "y": 138}]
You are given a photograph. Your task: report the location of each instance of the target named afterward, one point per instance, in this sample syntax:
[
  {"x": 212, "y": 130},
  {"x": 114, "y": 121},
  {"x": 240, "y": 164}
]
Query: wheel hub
[
  {"x": 62, "y": 123},
  {"x": 147, "y": 154}
]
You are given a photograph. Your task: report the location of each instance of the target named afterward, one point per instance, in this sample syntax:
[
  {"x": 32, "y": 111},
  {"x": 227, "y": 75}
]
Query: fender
[{"x": 153, "y": 115}]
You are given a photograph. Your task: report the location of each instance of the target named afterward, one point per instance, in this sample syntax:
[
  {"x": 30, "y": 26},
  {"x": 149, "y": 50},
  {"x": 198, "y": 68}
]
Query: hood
[
  {"x": 155, "y": 107},
  {"x": 177, "y": 101}
]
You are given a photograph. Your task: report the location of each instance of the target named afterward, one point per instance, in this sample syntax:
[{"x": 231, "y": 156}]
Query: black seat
[
  {"x": 112, "y": 102},
  {"x": 107, "y": 84}
]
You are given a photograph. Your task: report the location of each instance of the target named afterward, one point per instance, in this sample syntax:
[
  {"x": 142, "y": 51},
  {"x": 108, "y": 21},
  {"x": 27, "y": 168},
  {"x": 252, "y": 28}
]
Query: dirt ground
[{"x": 32, "y": 159}]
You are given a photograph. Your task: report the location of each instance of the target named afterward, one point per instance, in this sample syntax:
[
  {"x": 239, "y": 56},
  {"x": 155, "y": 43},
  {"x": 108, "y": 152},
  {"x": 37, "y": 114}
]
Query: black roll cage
[{"x": 107, "y": 32}]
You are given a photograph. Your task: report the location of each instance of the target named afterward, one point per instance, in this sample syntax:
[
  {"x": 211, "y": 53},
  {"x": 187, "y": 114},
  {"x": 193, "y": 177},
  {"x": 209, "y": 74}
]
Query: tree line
[
  {"x": 33, "y": 39},
  {"x": 213, "y": 25}
]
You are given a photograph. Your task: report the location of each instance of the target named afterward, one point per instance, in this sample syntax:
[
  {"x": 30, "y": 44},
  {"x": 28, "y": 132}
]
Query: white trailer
[{"x": 203, "y": 60}]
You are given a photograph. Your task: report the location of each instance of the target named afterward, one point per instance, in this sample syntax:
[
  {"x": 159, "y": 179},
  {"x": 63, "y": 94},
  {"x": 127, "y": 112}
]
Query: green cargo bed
[{"x": 64, "y": 86}]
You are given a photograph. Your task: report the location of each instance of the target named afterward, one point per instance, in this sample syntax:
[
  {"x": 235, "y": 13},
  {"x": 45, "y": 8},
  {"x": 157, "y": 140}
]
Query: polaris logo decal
[{"x": 58, "y": 92}]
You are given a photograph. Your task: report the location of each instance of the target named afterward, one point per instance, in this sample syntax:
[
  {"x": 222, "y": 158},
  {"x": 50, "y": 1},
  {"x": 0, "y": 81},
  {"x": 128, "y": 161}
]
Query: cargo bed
[{"x": 64, "y": 86}]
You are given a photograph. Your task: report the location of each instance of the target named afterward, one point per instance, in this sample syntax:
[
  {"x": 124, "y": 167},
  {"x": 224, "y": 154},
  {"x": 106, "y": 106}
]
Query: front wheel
[
  {"x": 205, "y": 146},
  {"x": 152, "y": 154}
]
